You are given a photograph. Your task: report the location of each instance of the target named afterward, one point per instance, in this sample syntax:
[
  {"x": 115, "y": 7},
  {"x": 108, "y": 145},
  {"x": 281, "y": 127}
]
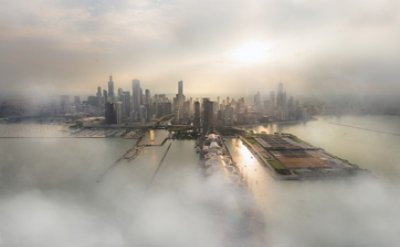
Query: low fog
[
  {"x": 360, "y": 212},
  {"x": 61, "y": 198},
  {"x": 57, "y": 199}
]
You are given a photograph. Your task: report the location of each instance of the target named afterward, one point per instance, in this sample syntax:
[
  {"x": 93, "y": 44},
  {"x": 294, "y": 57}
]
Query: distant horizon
[{"x": 213, "y": 96}]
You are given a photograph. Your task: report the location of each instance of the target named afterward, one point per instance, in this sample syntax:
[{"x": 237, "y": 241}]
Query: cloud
[
  {"x": 362, "y": 212},
  {"x": 314, "y": 44},
  {"x": 57, "y": 199}
]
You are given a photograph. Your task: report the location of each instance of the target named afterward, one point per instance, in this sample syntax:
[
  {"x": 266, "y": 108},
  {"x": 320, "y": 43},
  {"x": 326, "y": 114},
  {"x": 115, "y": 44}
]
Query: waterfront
[
  {"x": 54, "y": 183},
  {"x": 373, "y": 148}
]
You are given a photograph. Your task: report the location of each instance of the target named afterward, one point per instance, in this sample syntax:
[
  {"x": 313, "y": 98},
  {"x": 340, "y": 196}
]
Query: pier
[{"x": 293, "y": 159}]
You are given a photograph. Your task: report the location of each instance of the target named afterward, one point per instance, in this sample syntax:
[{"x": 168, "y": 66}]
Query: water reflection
[
  {"x": 152, "y": 136},
  {"x": 255, "y": 175}
]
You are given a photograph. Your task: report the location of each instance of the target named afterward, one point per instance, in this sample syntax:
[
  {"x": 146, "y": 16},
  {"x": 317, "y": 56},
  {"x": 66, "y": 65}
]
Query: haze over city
[
  {"x": 265, "y": 123},
  {"x": 224, "y": 46}
]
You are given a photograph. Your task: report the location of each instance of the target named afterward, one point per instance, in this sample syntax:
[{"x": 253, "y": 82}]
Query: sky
[{"x": 225, "y": 46}]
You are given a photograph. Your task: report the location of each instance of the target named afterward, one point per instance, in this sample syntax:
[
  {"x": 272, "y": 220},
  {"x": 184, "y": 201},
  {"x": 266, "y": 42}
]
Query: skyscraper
[
  {"x": 281, "y": 103},
  {"x": 110, "y": 113},
  {"x": 197, "y": 113},
  {"x": 280, "y": 97},
  {"x": 77, "y": 100},
  {"x": 126, "y": 105},
  {"x": 64, "y": 103},
  {"x": 208, "y": 115},
  {"x": 148, "y": 105},
  {"x": 180, "y": 87},
  {"x": 119, "y": 112},
  {"x": 100, "y": 103},
  {"x": 119, "y": 94},
  {"x": 111, "y": 94},
  {"x": 136, "y": 98},
  {"x": 257, "y": 103},
  {"x": 105, "y": 96},
  {"x": 147, "y": 97},
  {"x": 180, "y": 99},
  {"x": 272, "y": 98}
]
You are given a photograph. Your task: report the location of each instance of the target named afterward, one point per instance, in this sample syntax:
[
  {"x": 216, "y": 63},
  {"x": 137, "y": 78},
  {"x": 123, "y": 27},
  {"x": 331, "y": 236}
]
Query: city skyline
[{"x": 139, "y": 106}]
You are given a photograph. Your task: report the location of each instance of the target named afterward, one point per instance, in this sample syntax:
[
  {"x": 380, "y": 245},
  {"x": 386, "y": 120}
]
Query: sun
[{"x": 250, "y": 53}]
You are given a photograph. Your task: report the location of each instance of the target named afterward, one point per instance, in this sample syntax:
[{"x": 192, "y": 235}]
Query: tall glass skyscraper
[
  {"x": 111, "y": 94},
  {"x": 136, "y": 98}
]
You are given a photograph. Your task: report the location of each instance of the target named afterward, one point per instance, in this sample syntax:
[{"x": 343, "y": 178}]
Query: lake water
[{"x": 62, "y": 192}]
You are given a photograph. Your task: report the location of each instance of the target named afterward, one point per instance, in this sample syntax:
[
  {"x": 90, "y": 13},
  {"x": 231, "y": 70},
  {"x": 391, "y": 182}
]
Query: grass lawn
[
  {"x": 251, "y": 140},
  {"x": 276, "y": 164}
]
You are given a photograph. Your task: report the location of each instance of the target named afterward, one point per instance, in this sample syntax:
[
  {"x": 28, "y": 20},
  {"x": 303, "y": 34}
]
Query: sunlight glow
[
  {"x": 250, "y": 52},
  {"x": 247, "y": 157}
]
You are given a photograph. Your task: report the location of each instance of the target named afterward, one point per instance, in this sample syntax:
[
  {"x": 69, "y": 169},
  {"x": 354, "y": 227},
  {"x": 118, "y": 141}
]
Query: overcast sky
[{"x": 226, "y": 46}]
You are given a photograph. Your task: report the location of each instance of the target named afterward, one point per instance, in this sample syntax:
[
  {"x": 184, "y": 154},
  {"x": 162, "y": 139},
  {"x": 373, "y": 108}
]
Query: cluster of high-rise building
[
  {"x": 280, "y": 107},
  {"x": 276, "y": 107},
  {"x": 139, "y": 106}
]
